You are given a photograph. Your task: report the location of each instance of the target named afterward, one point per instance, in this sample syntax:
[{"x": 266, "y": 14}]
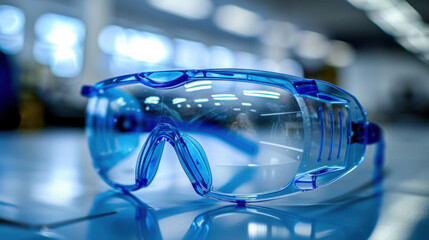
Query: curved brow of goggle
[{"x": 167, "y": 79}]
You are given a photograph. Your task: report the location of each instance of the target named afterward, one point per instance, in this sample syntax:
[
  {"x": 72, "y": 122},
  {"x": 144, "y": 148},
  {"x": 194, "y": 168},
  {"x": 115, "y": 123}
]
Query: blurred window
[{"x": 130, "y": 50}]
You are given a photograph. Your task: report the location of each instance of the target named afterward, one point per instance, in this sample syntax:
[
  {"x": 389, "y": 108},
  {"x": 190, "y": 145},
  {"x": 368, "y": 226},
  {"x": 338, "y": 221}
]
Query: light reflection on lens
[
  {"x": 223, "y": 97},
  {"x": 178, "y": 100},
  {"x": 152, "y": 100},
  {"x": 262, "y": 94},
  {"x": 198, "y": 88},
  {"x": 197, "y": 83},
  {"x": 257, "y": 230},
  {"x": 281, "y": 146},
  {"x": 199, "y": 100}
]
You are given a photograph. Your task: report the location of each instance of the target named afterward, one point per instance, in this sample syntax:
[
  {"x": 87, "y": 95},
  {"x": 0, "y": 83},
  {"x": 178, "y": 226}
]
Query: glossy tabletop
[{"x": 49, "y": 190}]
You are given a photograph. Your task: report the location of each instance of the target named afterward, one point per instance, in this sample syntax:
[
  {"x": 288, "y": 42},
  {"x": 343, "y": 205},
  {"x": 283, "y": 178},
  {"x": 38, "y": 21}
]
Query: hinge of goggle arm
[
  {"x": 365, "y": 132},
  {"x": 86, "y": 90},
  {"x": 306, "y": 87},
  {"x": 309, "y": 87}
]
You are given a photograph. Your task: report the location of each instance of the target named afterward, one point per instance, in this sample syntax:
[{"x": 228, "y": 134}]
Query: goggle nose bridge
[{"x": 189, "y": 152}]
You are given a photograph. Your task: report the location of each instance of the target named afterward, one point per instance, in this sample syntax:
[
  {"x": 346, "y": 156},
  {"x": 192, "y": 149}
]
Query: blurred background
[{"x": 376, "y": 49}]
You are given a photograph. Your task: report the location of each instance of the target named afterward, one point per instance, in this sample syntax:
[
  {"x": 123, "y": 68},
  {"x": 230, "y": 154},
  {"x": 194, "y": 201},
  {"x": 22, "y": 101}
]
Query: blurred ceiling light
[
  {"x": 113, "y": 40},
  {"x": 65, "y": 63},
  {"x": 190, "y": 54},
  {"x": 59, "y": 44},
  {"x": 279, "y": 34},
  {"x": 312, "y": 45},
  {"x": 190, "y": 9},
  {"x": 148, "y": 47},
  {"x": 245, "y": 60},
  {"x": 11, "y": 29},
  {"x": 372, "y": 4},
  {"x": 291, "y": 67},
  {"x": 341, "y": 54},
  {"x": 399, "y": 19},
  {"x": 12, "y": 20},
  {"x": 238, "y": 20},
  {"x": 221, "y": 57},
  {"x": 60, "y": 30}
]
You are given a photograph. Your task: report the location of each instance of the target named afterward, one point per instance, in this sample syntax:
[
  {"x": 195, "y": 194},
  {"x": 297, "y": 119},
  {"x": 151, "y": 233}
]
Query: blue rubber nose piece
[
  {"x": 188, "y": 150},
  {"x": 151, "y": 154},
  {"x": 198, "y": 163}
]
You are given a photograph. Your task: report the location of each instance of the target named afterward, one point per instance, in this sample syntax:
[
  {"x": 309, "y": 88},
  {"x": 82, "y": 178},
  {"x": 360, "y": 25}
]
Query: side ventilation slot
[
  {"x": 328, "y": 153},
  {"x": 340, "y": 118},
  {"x": 322, "y": 133},
  {"x": 331, "y": 146},
  {"x": 331, "y": 134}
]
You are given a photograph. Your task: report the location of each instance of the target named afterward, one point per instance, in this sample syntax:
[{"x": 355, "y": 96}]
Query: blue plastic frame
[{"x": 312, "y": 174}]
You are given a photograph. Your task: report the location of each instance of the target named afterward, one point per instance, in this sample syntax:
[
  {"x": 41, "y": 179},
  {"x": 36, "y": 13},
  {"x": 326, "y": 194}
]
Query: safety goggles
[{"x": 240, "y": 135}]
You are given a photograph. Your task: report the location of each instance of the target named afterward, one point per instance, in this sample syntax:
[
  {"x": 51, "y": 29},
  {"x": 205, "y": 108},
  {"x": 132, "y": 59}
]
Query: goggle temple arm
[
  {"x": 370, "y": 133},
  {"x": 375, "y": 135}
]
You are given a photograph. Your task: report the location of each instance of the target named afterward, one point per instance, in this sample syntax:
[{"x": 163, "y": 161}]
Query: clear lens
[
  {"x": 252, "y": 134},
  {"x": 112, "y": 128}
]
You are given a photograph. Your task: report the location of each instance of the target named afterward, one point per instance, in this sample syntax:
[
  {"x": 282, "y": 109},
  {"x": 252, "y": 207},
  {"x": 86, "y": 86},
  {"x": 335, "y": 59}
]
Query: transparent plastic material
[{"x": 239, "y": 135}]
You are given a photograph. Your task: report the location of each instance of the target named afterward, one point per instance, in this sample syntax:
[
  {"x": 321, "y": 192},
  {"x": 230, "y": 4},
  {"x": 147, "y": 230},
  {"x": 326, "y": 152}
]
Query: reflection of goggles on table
[{"x": 240, "y": 135}]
